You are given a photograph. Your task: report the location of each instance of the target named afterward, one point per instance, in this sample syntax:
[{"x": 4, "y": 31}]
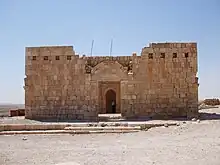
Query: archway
[{"x": 110, "y": 98}]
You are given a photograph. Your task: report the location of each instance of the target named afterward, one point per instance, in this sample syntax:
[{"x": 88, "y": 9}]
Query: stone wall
[
  {"x": 56, "y": 86},
  {"x": 164, "y": 82},
  {"x": 161, "y": 82},
  {"x": 213, "y": 101}
]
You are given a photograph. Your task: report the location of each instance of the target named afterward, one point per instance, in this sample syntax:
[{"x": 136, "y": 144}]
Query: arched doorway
[{"x": 110, "y": 98}]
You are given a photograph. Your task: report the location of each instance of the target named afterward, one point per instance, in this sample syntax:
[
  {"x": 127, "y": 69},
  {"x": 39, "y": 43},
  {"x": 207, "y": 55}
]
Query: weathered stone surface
[
  {"x": 160, "y": 82},
  {"x": 212, "y": 101}
]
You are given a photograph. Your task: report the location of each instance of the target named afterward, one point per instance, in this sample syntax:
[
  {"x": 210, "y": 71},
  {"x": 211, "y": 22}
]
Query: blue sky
[{"x": 131, "y": 23}]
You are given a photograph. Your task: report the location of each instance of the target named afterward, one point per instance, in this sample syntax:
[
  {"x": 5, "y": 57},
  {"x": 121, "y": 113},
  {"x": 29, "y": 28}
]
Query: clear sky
[{"x": 131, "y": 23}]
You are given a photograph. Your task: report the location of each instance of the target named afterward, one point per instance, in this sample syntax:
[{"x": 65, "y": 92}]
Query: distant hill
[
  {"x": 4, "y": 108},
  {"x": 11, "y": 105}
]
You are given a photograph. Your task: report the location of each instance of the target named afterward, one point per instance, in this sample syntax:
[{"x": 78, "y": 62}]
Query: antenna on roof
[
  {"x": 92, "y": 47},
  {"x": 111, "y": 47}
]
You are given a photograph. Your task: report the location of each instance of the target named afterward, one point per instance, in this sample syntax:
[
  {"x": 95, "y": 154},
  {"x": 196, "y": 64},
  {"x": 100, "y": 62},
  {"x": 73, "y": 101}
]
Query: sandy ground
[{"x": 188, "y": 144}]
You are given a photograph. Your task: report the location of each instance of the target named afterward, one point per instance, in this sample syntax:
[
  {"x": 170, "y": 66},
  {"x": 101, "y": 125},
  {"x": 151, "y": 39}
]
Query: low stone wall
[
  {"x": 17, "y": 112},
  {"x": 212, "y": 101},
  {"x": 28, "y": 127},
  {"x": 84, "y": 126}
]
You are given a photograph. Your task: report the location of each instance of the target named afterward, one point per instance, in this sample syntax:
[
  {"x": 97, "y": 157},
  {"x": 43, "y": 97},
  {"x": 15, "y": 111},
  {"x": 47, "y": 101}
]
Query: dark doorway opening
[{"x": 110, "y": 101}]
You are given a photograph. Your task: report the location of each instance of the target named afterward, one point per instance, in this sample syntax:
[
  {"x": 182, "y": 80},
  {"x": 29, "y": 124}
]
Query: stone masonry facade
[{"x": 160, "y": 82}]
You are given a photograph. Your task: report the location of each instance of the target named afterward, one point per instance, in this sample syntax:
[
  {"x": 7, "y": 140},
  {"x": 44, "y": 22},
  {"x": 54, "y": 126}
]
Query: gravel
[{"x": 189, "y": 143}]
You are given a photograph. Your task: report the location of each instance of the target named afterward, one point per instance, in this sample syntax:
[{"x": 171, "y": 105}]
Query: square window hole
[
  {"x": 162, "y": 55},
  {"x": 150, "y": 55},
  {"x": 34, "y": 58},
  {"x": 68, "y": 57},
  {"x": 186, "y": 55},
  {"x": 174, "y": 55},
  {"x": 57, "y": 57},
  {"x": 45, "y": 57}
]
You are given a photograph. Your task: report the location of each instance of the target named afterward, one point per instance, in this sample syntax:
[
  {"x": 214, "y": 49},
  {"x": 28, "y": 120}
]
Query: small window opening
[
  {"x": 174, "y": 55},
  {"x": 186, "y": 55},
  {"x": 34, "y": 58},
  {"x": 57, "y": 57},
  {"x": 162, "y": 55},
  {"x": 45, "y": 57},
  {"x": 150, "y": 55},
  {"x": 68, "y": 57}
]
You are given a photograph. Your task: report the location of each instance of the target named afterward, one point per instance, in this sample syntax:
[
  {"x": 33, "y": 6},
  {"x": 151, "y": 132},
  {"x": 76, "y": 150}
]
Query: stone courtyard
[{"x": 160, "y": 82}]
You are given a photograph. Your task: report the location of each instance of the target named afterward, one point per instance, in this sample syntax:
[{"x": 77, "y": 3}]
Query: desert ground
[
  {"x": 193, "y": 142},
  {"x": 4, "y": 108}
]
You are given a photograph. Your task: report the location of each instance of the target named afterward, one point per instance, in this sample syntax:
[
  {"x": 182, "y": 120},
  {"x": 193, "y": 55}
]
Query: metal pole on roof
[
  {"x": 92, "y": 47},
  {"x": 111, "y": 47}
]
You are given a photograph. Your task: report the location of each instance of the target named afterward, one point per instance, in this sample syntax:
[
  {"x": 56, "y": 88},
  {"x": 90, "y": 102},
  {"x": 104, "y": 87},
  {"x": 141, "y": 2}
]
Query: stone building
[{"x": 161, "y": 82}]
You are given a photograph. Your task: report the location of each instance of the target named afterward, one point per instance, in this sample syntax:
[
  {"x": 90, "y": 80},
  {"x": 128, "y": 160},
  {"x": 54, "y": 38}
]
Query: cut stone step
[
  {"x": 103, "y": 128},
  {"x": 66, "y": 132}
]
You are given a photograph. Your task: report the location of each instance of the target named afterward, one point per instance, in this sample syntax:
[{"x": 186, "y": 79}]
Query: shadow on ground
[
  {"x": 209, "y": 116},
  {"x": 202, "y": 116}
]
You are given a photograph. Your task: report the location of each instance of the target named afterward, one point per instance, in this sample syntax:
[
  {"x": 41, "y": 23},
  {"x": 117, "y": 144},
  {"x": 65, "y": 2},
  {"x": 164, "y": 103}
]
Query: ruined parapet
[
  {"x": 92, "y": 61},
  {"x": 173, "y": 45}
]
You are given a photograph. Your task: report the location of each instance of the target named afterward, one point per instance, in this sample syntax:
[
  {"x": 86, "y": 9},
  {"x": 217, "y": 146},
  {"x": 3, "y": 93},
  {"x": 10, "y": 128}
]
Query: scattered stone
[
  {"x": 24, "y": 138},
  {"x": 166, "y": 125},
  {"x": 143, "y": 127},
  {"x": 90, "y": 125},
  {"x": 177, "y": 124},
  {"x": 184, "y": 122},
  {"x": 103, "y": 124},
  {"x": 198, "y": 121},
  {"x": 117, "y": 124},
  {"x": 193, "y": 119}
]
